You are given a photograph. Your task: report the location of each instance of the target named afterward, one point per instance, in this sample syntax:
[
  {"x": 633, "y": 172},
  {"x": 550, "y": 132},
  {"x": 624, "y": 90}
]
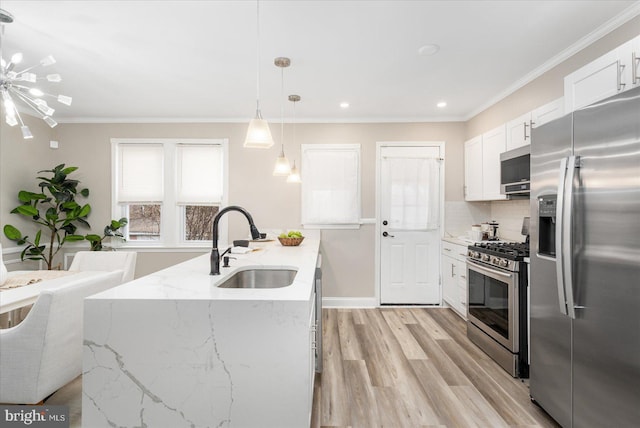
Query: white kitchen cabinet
[
  {"x": 608, "y": 75},
  {"x": 494, "y": 142},
  {"x": 519, "y": 129},
  {"x": 454, "y": 277},
  {"x": 519, "y": 132},
  {"x": 450, "y": 293},
  {"x": 313, "y": 326},
  {"x": 634, "y": 68},
  {"x": 473, "y": 169},
  {"x": 547, "y": 112},
  {"x": 482, "y": 165}
]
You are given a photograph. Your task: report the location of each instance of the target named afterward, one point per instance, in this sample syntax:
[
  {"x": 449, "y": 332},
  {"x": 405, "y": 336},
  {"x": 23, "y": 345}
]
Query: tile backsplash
[
  {"x": 509, "y": 215},
  {"x": 460, "y": 215}
]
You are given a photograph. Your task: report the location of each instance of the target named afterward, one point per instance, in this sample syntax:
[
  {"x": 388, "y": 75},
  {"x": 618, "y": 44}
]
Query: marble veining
[
  {"x": 143, "y": 389},
  {"x": 172, "y": 350},
  {"x": 227, "y": 421}
]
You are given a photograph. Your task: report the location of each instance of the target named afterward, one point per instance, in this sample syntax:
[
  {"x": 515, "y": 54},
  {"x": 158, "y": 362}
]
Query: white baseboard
[{"x": 349, "y": 302}]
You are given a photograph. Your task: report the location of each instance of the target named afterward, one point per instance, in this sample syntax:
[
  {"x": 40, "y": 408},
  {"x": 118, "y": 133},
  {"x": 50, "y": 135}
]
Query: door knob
[
  {"x": 385, "y": 222},
  {"x": 385, "y": 234}
]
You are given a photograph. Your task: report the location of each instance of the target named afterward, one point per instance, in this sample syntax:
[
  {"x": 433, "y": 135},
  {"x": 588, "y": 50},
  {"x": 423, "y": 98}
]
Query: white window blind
[
  {"x": 331, "y": 185},
  {"x": 199, "y": 174},
  {"x": 140, "y": 173}
]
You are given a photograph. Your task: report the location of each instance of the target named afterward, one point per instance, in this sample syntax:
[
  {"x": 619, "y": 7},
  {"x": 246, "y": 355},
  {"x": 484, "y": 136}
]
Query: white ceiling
[{"x": 196, "y": 60}]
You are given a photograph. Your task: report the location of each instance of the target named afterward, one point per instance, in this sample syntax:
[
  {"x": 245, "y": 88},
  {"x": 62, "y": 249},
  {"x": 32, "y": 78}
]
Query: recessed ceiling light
[
  {"x": 428, "y": 50},
  {"x": 344, "y": 104},
  {"x": 441, "y": 104}
]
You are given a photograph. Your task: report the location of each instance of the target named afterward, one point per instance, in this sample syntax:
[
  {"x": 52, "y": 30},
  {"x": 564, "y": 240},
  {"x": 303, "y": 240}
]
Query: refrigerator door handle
[
  {"x": 564, "y": 228},
  {"x": 573, "y": 163},
  {"x": 562, "y": 301}
]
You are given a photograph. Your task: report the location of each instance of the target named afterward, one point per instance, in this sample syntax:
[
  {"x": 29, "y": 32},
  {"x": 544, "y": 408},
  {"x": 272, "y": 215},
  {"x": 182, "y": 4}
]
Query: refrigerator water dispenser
[{"x": 547, "y": 225}]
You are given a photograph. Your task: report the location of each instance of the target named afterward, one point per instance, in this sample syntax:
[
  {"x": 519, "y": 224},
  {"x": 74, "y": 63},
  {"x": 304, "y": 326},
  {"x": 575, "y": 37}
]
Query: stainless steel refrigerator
[{"x": 585, "y": 265}]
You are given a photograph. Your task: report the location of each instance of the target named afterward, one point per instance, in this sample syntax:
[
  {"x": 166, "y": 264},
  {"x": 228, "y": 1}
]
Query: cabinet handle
[
  {"x": 452, "y": 272},
  {"x": 463, "y": 276},
  {"x": 620, "y": 84},
  {"x": 525, "y": 131},
  {"x": 634, "y": 68},
  {"x": 447, "y": 249}
]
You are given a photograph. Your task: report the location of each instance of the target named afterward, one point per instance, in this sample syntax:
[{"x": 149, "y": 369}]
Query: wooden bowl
[{"x": 290, "y": 242}]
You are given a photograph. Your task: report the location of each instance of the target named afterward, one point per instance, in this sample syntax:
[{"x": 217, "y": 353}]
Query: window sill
[
  {"x": 163, "y": 248},
  {"x": 332, "y": 226}
]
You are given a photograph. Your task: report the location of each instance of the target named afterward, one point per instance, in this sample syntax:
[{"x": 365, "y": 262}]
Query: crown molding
[
  {"x": 112, "y": 120},
  {"x": 606, "y": 28}
]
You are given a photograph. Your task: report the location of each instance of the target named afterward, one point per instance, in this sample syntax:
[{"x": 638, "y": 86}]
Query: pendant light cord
[
  {"x": 258, "y": 59},
  {"x": 282, "y": 110}
]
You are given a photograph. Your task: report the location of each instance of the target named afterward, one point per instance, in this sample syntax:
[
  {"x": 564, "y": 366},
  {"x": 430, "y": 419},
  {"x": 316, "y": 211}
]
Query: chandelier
[{"x": 19, "y": 87}]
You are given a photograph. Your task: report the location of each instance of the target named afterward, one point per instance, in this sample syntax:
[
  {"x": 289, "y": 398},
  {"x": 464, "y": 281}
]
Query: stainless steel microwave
[{"x": 515, "y": 172}]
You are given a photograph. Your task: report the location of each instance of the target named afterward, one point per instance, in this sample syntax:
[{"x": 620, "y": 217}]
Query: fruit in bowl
[
  {"x": 291, "y": 239},
  {"x": 291, "y": 234}
]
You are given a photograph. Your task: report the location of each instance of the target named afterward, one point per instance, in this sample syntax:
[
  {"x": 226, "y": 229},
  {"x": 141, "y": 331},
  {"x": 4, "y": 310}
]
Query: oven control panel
[{"x": 488, "y": 259}]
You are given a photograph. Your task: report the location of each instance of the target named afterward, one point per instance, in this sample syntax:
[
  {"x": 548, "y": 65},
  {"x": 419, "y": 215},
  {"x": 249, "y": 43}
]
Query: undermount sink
[{"x": 260, "y": 278}]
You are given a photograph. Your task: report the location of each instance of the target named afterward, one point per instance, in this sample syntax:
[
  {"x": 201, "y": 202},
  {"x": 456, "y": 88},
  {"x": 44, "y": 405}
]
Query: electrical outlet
[{"x": 53, "y": 144}]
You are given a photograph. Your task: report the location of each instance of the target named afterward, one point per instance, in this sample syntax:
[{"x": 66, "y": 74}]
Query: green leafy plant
[
  {"x": 55, "y": 208},
  {"x": 112, "y": 229}
]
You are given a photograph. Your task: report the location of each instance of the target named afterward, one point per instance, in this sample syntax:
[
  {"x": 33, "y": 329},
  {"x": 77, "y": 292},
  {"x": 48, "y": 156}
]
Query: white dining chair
[
  {"x": 44, "y": 352},
  {"x": 106, "y": 261}
]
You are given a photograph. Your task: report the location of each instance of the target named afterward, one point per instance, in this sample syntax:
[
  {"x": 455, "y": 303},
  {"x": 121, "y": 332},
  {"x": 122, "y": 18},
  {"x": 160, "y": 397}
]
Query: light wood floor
[
  {"x": 406, "y": 367},
  {"x": 401, "y": 368}
]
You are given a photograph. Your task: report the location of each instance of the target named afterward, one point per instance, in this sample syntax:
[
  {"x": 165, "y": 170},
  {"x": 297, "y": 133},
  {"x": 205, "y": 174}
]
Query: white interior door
[{"x": 409, "y": 224}]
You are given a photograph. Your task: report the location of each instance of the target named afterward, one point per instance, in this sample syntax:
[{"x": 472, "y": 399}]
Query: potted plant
[
  {"x": 56, "y": 210},
  {"x": 110, "y": 230}
]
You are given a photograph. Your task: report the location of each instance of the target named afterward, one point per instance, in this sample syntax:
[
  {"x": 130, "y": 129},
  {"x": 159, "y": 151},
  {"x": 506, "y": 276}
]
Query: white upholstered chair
[
  {"x": 44, "y": 352},
  {"x": 107, "y": 261}
]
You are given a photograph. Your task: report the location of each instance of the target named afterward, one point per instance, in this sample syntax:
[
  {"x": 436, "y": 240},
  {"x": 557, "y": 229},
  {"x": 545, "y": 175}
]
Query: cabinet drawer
[{"x": 458, "y": 252}]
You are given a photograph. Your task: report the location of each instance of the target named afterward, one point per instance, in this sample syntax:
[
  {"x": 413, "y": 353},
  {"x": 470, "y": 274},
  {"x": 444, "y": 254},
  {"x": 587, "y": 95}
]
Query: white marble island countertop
[
  {"x": 191, "y": 280},
  {"x": 174, "y": 350}
]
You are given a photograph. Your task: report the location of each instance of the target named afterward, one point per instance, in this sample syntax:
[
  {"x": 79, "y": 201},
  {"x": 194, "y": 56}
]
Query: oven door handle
[{"x": 487, "y": 270}]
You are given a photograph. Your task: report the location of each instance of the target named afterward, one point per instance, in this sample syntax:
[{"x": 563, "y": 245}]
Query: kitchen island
[{"x": 172, "y": 349}]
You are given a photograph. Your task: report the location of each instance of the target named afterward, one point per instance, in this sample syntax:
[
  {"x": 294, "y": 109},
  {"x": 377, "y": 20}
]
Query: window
[
  {"x": 331, "y": 185},
  {"x": 170, "y": 190}
]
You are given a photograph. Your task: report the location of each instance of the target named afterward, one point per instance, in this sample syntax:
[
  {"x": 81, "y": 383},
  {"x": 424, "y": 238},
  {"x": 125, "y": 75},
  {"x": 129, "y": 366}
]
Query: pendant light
[
  {"x": 294, "y": 175},
  {"x": 282, "y": 167},
  {"x": 258, "y": 134}
]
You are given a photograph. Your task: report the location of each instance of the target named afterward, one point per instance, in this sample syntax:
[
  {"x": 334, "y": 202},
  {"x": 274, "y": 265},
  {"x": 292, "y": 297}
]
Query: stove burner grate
[{"x": 510, "y": 250}]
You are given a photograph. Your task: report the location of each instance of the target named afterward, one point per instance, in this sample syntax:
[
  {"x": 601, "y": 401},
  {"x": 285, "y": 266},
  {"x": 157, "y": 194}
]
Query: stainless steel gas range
[{"x": 497, "y": 300}]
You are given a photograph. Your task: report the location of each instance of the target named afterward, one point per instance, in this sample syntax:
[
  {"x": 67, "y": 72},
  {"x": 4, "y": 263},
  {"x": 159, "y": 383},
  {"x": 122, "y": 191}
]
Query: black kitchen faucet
[{"x": 215, "y": 254}]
